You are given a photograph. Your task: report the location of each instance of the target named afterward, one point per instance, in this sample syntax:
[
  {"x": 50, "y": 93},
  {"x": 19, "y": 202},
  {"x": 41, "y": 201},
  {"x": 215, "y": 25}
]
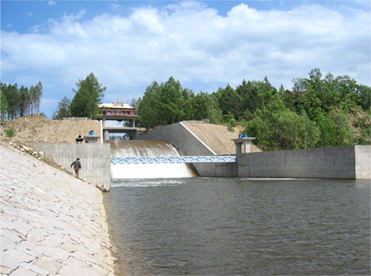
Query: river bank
[{"x": 51, "y": 222}]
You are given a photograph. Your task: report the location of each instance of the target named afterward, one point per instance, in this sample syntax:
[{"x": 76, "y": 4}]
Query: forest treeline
[
  {"x": 317, "y": 112},
  {"x": 19, "y": 101}
]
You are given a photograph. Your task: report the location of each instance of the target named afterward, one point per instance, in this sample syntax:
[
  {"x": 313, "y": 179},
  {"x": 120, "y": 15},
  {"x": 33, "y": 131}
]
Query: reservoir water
[{"x": 204, "y": 226}]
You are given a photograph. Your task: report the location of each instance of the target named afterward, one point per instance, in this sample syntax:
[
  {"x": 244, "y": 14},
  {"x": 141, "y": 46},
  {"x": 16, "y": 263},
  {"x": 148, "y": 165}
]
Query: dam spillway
[{"x": 137, "y": 148}]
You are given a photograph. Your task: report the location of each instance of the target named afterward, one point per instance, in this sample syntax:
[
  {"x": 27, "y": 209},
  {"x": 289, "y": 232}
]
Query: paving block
[
  {"x": 49, "y": 264},
  {"x": 13, "y": 257},
  {"x": 22, "y": 271},
  {"x": 6, "y": 243},
  {"x": 34, "y": 268},
  {"x": 76, "y": 267}
]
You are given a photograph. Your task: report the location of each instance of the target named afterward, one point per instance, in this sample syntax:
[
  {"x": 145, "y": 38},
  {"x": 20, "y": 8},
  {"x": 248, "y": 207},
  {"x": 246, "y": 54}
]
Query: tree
[
  {"x": 36, "y": 93},
  {"x": 148, "y": 115},
  {"x": 62, "y": 109},
  {"x": 87, "y": 97},
  {"x": 230, "y": 102},
  {"x": 12, "y": 95},
  {"x": 205, "y": 106},
  {"x": 276, "y": 127},
  {"x": 253, "y": 94},
  {"x": 25, "y": 101},
  {"x": 3, "y": 102},
  {"x": 135, "y": 102},
  {"x": 171, "y": 101}
]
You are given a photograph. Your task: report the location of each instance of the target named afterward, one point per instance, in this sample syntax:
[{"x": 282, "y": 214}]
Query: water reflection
[{"x": 241, "y": 226}]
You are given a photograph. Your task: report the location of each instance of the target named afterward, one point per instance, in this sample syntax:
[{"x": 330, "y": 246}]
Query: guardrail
[{"x": 173, "y": 159}]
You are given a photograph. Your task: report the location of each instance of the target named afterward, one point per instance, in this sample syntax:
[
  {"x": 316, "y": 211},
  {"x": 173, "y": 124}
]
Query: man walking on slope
[{"x": 77, "y": 166}]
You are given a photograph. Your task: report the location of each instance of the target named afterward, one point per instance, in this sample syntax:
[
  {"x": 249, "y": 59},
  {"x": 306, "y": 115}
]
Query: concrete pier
[
  {"x": 51, "y": 222},
  {"x": 246, "y": 142}
]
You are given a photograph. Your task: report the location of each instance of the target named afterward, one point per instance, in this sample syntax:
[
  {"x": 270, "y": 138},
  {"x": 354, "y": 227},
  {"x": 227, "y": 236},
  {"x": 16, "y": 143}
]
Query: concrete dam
[{"x": 348, "y": 162}]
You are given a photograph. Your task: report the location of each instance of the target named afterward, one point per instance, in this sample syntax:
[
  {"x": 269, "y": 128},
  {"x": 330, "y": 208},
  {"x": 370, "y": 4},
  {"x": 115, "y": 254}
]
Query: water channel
[{"x": 204, "y": 226}]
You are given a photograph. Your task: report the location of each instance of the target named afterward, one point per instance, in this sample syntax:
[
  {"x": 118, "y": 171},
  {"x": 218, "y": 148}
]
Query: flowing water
[
  {"x": 135, "y": 148},
  {"x": 240, "y": 226},
  {"x": 228, "y": 226}
]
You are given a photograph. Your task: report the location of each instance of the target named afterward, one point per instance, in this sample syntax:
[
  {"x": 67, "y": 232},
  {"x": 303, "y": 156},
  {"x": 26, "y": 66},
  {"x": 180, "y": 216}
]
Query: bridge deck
[{"x": 173, "y": 159}]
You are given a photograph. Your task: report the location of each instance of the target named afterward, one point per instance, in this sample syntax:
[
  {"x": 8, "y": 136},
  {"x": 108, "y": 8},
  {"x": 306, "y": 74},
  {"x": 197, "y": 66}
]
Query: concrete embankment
[{"x": 51, "y": 222}]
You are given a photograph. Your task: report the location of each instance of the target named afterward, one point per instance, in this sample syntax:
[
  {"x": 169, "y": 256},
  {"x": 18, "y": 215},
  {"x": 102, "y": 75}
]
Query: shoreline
[{"x": 51, "y": 222}]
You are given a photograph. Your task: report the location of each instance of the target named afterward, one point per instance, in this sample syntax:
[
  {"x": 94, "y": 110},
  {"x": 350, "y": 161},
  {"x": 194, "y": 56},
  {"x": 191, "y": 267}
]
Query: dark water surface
[{"x": 204, "y": 226}]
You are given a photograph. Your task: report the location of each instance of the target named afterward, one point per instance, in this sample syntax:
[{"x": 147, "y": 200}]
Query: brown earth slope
[
  {"x": 217, "y": 137},
  {"x": 38, "y": 129}
]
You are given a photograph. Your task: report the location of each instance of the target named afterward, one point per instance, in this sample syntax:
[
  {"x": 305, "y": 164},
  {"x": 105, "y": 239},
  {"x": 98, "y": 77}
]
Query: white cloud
[
  {"x": 116, "y": 7},
  {"x": 51, "y": 3},
  {"x": 192, "y": 42}
]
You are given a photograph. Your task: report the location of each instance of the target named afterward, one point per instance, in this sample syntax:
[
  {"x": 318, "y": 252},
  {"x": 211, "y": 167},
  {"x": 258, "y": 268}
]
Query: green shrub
[
  {"x": 230, "y": 129},
  {"x": 9, "y": 132},
  {"x": 232, "y": 122},
  {"x": 227, "y": 117}
]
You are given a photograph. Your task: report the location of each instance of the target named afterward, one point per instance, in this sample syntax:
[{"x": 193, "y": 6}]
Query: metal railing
[{"x": 173, "y": 159}]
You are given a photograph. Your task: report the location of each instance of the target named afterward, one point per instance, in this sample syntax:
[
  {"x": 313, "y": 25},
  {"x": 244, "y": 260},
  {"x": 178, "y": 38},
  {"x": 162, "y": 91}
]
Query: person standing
[{"x": 77, "y": 166}]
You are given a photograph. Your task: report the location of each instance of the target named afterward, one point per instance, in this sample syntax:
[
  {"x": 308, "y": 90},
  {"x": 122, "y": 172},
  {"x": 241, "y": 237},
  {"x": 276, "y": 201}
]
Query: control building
[{"x": 118, "y": 118}]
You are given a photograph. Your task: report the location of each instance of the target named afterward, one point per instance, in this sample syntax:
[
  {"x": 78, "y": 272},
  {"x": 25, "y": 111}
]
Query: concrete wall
[
  {"x": 188, "y": 144},
  {"x": 363, "y": 162},
  {"x": 95, "y": 159},
  {"x": 335, "y": 163}
]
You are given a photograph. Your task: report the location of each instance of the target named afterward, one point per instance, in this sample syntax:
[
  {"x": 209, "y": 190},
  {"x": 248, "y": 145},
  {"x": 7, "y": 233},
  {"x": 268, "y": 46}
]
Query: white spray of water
[{"x": 147, "y": 148}]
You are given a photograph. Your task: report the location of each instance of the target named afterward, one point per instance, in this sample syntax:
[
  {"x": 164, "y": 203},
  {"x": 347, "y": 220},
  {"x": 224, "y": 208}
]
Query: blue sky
[{"x": 203, "y": 44}]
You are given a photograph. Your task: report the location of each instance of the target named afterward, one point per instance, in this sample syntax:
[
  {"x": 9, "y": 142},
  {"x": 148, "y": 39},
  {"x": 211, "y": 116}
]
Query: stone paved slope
[{"x": 51, "y": 222}]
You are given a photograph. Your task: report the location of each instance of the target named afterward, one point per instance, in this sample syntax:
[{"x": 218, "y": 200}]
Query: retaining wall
[
  {"x": 95, "y": 159},
  {"x": 349, "y": 162}
]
